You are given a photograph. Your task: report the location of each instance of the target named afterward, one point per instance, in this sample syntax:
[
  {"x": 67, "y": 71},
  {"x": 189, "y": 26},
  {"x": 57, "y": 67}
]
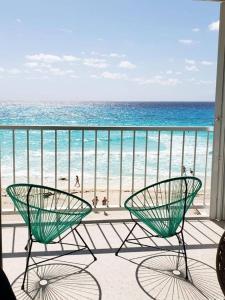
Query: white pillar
[{"x": 217, "y": 205}]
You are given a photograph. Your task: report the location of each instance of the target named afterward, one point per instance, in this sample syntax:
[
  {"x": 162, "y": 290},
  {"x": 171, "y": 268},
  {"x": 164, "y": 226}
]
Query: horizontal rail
[{"x": 111, "y": 128}]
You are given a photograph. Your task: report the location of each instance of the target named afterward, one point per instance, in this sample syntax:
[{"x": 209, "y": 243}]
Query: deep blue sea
[{"x": 107, "y": 114}]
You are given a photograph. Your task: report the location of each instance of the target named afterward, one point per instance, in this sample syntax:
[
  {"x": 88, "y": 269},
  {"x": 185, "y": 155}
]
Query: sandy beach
[{"x": 114, "y": 196}]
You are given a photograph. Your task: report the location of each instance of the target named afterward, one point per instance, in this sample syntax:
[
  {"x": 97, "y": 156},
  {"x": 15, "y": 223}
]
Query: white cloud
[
  {"x": 205, "y": 82},
  {"x": 43, "y": 58},
  {"x": 46, "y": 58},
  {"x": 206, "y": 63},
  {"x": 95, "y": 63},
  {"x": 125, "y": 64},
  {"x": 186, "y": 41},
  {"x": 2, "y": 70},
  {"x": 158, "y": 79},
  {"x": 191, "y": 65},
  {"x": 191, "y": 68},
  {"x": 74, "y": 76},
  {"x": 18, "y": 20},
  {"x": 31, "y": 64},
  {"x": 60, "y": 72},
  {"x": 214, "y": 26},
  {"x": 95, "y": 76},
  {"x": 196, "y": 29},
  {"x": 111, "y": 55},
  {"x": 14, "y": 71},
  {"x": 55, "y": 71},
  {"x": 190, "y": 61},
  {"x": 117, "y": 55},
  {"x": 169, "y": 72},
  {"x": 94, "y": 53},
  {"x": 191, "y": 79},
  {"x": 70, "y": 58},
  {"x": 113, "y": 76},
  {"x": 138, "y": 80}
]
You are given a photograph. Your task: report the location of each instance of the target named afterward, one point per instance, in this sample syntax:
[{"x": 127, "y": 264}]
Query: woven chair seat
[
  {"x": 162, "y": 206},
  {"x": 51, "y": 212}
]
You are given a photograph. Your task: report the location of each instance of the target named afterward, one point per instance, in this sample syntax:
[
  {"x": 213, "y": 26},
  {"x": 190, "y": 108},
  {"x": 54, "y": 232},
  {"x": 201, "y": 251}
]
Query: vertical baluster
[
  {"x": 108, "y": 163},
  {"x": 195, "y": 151},
  {"x": 82, "y": 165},
  {"x": 69, "y": 158},
  {"x": 14, "y": 160},
  {"x": 14, "y": 156},
  {"x": 171, "y": 153},
  {"x": 182, "y": 155},
  {"x": 158, "y": 156},
  {"x": 146, "y": 158},
  {"x": 206, "y": 166},
  {"x": 69, "y": 162},
  {"x": 28, "y": 156},
  {"x": 95, "y": 171},
  {"x": 133, "y": 161},
  {"x": 56, "y": 159},
  {"x": 146, "y": 163},
  {"x": 42, "y": 157},
  {"x": 121, "y": 167}
]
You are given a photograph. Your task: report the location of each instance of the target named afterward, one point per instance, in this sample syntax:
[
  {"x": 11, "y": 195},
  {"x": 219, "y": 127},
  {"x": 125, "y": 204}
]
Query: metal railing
[{"x": 110, "y": 162}]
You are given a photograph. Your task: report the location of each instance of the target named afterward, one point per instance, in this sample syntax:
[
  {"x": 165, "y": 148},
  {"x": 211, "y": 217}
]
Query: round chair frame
[
  {"x": 33, "y": 216},
  {"x": 188, "y": 188}
]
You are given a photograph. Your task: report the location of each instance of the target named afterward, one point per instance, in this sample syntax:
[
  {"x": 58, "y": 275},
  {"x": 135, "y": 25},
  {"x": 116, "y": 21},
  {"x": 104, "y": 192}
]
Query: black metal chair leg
[
  {"x": 185, "y": 255},
  {"x": 179, "y": 253},
  {"x": 95, "y": 258},
  {"x": 29, "y": 244},
  {"x": 117, "y": 252}
]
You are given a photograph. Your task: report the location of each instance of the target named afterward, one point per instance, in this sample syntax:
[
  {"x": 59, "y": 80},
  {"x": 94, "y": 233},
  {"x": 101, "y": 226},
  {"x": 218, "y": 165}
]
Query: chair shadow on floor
[
  {"x": 58, "y": 281},
  {"x": 162, "y": 276}
]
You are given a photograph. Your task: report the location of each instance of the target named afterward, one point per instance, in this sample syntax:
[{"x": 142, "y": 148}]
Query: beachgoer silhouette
[
  {"x": 77, "y": 182},
  {"x": 95, "y": 201},
  {"x": 104, "y": 201},
  {"x": 183, "y": 170}
]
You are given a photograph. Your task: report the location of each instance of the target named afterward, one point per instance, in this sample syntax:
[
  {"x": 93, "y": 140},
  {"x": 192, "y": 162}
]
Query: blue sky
[{"x": 114, "y": 50}]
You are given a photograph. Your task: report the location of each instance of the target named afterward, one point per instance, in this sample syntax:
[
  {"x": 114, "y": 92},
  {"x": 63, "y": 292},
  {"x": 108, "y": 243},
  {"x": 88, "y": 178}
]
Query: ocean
[
  {"x": 110, "y": 114},
  {"x": 132, "y": 169}
]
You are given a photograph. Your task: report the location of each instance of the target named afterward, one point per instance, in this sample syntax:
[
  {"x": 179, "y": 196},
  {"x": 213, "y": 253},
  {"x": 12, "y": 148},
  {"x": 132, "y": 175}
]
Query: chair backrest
[
  {"x": 162, "y": 206},
  {"x": 48, "y": 212}
]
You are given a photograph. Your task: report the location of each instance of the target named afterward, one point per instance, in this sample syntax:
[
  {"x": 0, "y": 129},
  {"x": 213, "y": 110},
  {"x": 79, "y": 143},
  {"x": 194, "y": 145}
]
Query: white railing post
[{"x": 217, "y": 205}]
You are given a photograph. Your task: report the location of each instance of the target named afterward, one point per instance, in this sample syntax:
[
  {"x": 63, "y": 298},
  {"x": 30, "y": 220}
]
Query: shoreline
[{"x": 113, "y": 196}]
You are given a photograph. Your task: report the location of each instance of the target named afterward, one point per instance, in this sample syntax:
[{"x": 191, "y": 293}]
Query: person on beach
[
  {"x": 77, "y": 182},
  {"x": 104, "y": 201},
  {"x": 95, "y": 201},
  {"x": 183, "y": 170}
]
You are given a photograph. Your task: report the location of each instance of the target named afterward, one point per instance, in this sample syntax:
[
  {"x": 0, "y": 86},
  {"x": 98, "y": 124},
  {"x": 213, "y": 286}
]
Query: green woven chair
[
  {"x": 162, "y": 208},
  {"x": 50, "y": 214}
]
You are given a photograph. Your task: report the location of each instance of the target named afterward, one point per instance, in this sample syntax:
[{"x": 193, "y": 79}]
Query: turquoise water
[
  {"x": 109, "y": 114},
  {"x": 104, "y": 114}
]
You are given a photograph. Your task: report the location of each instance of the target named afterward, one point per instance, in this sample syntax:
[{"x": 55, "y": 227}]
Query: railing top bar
[{"x": 121, "y": 128}]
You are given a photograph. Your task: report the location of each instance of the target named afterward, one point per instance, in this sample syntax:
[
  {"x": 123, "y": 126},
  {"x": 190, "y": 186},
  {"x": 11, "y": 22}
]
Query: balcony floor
[{"x": 138, "y": 273}]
